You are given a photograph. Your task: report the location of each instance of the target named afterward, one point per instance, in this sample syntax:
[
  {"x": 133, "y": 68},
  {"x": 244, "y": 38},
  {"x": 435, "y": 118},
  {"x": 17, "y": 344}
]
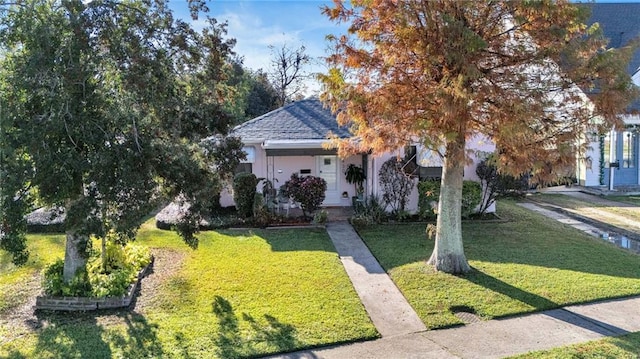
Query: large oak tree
[
  {"x": 103, "y": 107},
  {"x": 441, "y": 72}
]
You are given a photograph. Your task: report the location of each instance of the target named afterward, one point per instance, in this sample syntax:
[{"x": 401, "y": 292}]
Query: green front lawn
[
  {"x": 623, "y": 347},
  {"x": 239, "y": 294},
  {"x": 527, "y": 263}
]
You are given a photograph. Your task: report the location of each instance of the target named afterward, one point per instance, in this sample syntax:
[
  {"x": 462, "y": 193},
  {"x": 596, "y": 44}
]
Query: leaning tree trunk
[
  {"x": 75, "y": 257},
  {"x": 448, "y": 253}
]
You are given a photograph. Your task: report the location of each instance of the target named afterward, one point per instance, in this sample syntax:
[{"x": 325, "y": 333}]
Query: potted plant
[{"x": 356, "y": 176}]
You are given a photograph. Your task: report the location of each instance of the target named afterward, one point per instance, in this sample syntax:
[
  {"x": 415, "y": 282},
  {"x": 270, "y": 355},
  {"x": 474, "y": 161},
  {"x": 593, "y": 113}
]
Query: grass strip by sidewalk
[
  {"x": 623, "y": 216},
  {"x": 630, "y": 199},
  {"x": 240, "y": 294},
  {"x": 623, "y": 347},
  {"x": 527, "y": 263}
]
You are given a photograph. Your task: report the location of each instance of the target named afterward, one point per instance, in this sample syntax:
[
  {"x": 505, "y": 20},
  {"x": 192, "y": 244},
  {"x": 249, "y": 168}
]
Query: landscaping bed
[
  {"x": 91, "y": 303},
  {"x": 227, "y": 217}
]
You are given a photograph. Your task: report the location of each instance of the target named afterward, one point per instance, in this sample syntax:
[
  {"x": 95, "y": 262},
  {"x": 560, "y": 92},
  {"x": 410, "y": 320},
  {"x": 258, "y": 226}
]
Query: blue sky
[{"x": 257, "y": 24}]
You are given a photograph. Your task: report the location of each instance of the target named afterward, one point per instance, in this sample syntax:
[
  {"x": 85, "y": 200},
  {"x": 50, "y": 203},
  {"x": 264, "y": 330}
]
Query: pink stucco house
[{"x": 290, "y": 140}]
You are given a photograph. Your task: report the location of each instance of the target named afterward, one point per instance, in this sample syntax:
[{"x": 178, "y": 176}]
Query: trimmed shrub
[
  {"x": 261, "y": 215},
  {"x": 495, "y": 185},
  {"x": 308, "y": 191},
  {"x": 321, "y": 217},
  {"x": 371, "y": 211},
  {"x": 244, "y": 192},
  {"x": 471, "y": 197},
  {"x": 396, "y": 185},
  {"x": 429, "y": 195},
  {"x": 489, "y": 177}
]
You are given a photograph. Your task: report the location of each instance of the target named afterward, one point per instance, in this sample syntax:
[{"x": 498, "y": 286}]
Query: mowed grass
[
  {"x": 526, "y": 263},
  {"x": 16, "y": 283},
  {"x": 623, "y": 347},
  {"x": 240, "y": 294}
]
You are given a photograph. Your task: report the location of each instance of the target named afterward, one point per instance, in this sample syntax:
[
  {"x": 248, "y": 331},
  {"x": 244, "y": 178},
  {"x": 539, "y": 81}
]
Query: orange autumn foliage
[{"x": 527, "y": 75}]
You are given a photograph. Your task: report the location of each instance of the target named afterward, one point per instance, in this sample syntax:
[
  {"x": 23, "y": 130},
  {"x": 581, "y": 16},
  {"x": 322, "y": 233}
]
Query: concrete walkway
[{"x": 387, "y": 307}]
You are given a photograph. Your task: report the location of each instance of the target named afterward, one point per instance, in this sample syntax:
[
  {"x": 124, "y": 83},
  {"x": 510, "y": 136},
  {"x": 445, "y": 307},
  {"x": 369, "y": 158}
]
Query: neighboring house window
[
  {"x": 244, "y": 167},
  {"x": 629, "y": 150}
]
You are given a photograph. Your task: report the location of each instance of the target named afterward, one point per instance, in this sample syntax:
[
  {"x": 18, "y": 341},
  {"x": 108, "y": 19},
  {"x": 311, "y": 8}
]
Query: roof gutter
[{"x": 293, "y": 144}]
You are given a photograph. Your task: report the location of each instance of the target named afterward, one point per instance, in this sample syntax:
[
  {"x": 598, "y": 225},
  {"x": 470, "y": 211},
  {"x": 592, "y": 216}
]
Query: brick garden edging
[{"x": 88, "y": 303}]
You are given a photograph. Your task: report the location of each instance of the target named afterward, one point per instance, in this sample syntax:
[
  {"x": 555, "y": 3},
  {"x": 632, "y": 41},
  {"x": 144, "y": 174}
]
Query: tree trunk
[
  {"x": 448, "y": 253},
  {"x": 103, "y": 253},
  {"x": 75, "y": 256}
]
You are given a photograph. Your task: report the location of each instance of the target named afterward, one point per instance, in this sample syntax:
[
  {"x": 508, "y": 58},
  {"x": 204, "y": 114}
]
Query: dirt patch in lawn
[
  {"x": 167, "y": 263},
  {"x": 23, "y": 318}
]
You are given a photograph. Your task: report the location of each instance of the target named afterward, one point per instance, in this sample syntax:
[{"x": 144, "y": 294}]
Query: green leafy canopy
[{"x": 103, "y": 103}]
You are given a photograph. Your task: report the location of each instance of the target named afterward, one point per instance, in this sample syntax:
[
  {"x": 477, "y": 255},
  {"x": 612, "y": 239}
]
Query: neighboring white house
[
  {"x": 620, "y": 23},
  {"x": 290, "y": 140}
]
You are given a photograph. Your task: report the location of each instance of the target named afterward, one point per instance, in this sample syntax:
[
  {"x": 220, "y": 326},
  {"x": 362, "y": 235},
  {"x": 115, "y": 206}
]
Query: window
[
  {"x": 244, "y": 167},
  {"x": 628, "y": 149},
  {"x": 430, "y": 173},
  {"x": 250, "y": 151},
  {"x": 607, "y": 149},
  {"x": 410, "y": 153}
]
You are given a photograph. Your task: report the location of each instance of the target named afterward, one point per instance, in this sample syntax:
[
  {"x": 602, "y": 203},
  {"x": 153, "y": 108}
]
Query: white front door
[{"x": 328, "y": 170}]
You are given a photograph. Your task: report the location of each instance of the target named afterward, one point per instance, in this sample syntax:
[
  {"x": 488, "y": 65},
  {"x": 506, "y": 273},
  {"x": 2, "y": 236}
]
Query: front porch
[{"x": 282, "y": 159}]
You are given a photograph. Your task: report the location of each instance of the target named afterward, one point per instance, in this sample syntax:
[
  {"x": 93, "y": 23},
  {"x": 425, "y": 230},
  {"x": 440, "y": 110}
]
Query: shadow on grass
[
  {"x": 79, "y": 335},
  {"x": 291, "y": 240},
  {"x": 541, "y": 303},
  {"x": 235, "y": 342},
  {"x": 494, "y": 284}
]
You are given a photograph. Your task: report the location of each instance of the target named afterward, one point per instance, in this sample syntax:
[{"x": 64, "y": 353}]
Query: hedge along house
[
  {"x": 293, "y": 139},
  {"x": 614, "y": 157}
]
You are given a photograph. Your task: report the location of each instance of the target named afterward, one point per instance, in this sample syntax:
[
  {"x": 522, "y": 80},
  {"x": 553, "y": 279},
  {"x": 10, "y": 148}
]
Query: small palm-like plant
[{"x": 356, "y": 176}]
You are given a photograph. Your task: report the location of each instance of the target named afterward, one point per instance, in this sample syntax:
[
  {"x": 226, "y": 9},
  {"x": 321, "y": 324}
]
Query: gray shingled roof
[
  {"x": 620, "y": 22},
  {"x": 300, "y": 120}
]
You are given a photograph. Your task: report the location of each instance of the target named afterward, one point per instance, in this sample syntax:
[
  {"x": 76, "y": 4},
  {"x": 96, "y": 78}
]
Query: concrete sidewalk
[{"x": 498, "y": 338}]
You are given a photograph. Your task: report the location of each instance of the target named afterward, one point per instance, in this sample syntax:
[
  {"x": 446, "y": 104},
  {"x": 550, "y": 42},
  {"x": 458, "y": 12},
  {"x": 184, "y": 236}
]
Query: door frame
[{"x": 332, "y": 196}]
